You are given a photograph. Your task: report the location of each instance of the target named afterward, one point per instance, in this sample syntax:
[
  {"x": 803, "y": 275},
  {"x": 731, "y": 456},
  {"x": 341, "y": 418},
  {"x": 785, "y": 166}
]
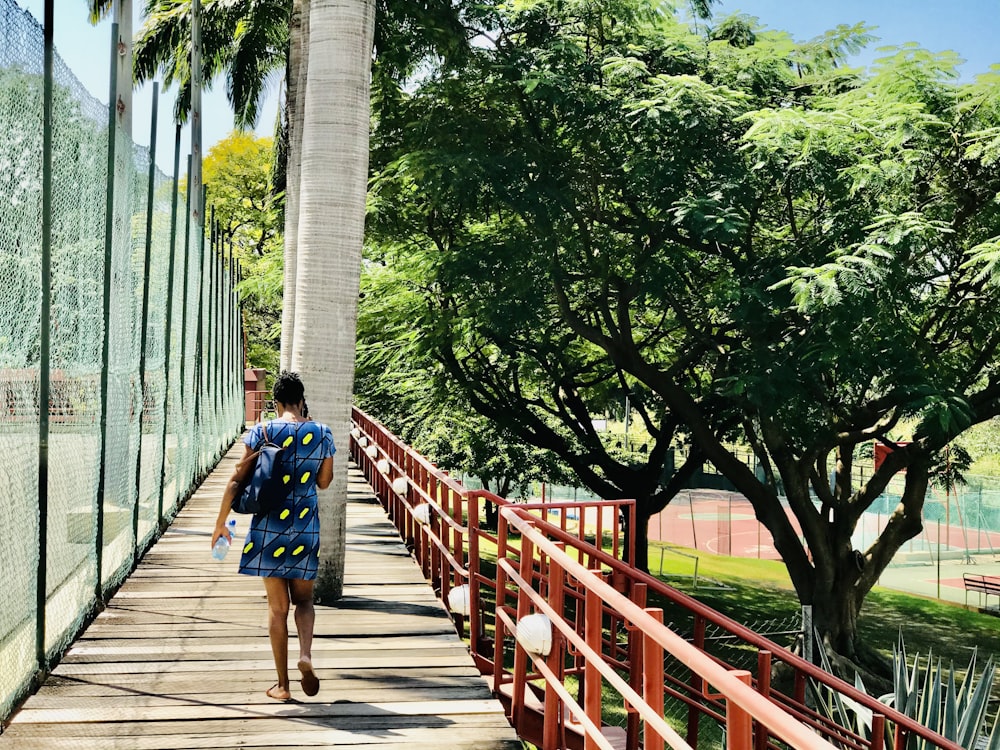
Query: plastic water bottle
[{"x": 222, "y": 545}]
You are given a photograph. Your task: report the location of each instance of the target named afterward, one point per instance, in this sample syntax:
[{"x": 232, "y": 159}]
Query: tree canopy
[
  {"x": 775, "y": 249},
  {"x": 237, "y": 171}
]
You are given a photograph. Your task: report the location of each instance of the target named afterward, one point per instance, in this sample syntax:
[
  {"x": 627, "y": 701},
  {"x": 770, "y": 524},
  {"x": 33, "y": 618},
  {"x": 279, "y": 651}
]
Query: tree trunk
[
  {"x": 123, "y": 96},
  {"x": 835, "y": 578},
  {"x": 334, "y": 178},
  {"x": 298, "y": 47},
  {"x": 640, "y": 554}
]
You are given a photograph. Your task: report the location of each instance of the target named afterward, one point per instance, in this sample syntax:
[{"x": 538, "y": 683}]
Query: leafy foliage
[
  {"x": 237, "y": 171},
  {"x": 774, "y": 249},
  {"x": 398, "y": 380},
  {"x": 244, "y": 42},
  {"x": 954, "y": 706}
]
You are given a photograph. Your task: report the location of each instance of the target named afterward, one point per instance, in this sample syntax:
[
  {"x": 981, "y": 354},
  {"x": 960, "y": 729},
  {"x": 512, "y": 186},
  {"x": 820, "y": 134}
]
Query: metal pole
[
  {"x": 169, "y": 321},
  {"x": 218, "y": 327},
  {"x": 939, "y": 558},
  {"x": 210, "y": 385},
  {"x": 197, "y": 207},
  {"x": 144, "y": 316},
  {"x": 199, "y": 340},
  {"x": 184, "y": 395},
  {"x": 228, "y": 365},
  {"x": 807, "y": 632},
  {"x": 41, "y": 581},
  {"x": 217, "y": 339},
  {"x": 106, "y": 347}
]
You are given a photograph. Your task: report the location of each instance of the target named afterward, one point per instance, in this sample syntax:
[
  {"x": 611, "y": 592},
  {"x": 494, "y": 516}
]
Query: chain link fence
[{"x": 91, "y": 476}]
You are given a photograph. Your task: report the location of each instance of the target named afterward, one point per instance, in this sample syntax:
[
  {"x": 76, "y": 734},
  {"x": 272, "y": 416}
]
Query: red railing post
[
  {"x": 472, "y": 565},
  {"x": 593, "y": 611},
  {"x": 552, "y": 729},
  {"x": 739, "y": 723},
  {"x": 878, "y": 731},
  {"x": 501, "y": 602},
  {"x": 764, "y": 688},
  {"x": 520, "y": 655},
  {"x": 652, "y": 680},
  {"x": 697, "y": 684},
  {"x": 635, "y": 671}
]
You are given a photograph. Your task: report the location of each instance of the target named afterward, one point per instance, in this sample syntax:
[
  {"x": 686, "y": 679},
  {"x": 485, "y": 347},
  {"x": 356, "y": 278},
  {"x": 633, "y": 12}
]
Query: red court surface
[{"x": 724, "y": 523}]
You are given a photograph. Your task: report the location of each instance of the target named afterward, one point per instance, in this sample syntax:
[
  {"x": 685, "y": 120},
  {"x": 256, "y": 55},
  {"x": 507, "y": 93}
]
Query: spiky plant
[{"x": 955, "y": 707}]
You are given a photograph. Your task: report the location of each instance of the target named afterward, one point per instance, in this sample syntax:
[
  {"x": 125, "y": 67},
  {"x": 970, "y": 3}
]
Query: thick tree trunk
[
  {"x": 835, "y": 578},
  {"x": 297, "y": 68},
  {"x": 640, "y": 554},
  {"x": 330, "y": 232}
]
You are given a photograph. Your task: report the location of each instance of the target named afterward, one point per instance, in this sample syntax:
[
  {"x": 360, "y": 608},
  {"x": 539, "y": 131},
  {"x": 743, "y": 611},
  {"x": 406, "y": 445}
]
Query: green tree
[
  {"x": 794, "y": 256},
  {"x": 237, "y": 171},
  {"x": 238, "y": 175},
  {"x": 398, "y": 380}
]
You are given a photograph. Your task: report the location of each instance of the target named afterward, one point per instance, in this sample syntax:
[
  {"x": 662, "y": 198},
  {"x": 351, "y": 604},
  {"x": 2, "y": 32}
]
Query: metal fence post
[
  {"x": 168, "y": 328},
  {"x": 144, "y": 314},
  {"x": 199, "y": 337},
  {"x": 41, "y": 579},
  {"x": 807, "y": 632},
  {"x": 106, "y": 348},
  {"x": 185, "y": 302}
]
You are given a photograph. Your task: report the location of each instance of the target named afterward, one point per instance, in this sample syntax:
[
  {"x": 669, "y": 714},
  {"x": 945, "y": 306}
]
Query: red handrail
[
  {"x": 447, "y": 548},
  {"x": 732, "y": 684}
]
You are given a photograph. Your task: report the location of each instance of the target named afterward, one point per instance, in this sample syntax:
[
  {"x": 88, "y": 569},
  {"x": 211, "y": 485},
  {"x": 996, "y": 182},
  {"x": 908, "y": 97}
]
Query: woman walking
[{"x": 282, "y": 546}]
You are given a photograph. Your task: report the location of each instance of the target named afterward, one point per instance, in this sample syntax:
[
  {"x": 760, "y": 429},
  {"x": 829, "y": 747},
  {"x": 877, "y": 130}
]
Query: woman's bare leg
[
  {"x": 277, "y": 629},
  {"x": 305, "y": 618},
  {"x": 305, "y": 615}
]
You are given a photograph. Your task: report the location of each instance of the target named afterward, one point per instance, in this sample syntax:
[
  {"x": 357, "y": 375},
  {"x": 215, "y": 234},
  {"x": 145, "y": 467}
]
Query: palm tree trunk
[
  {"x": 123, "y": 97},
  {"x": 333, "y": 187},
  {"x": 298, "y": 60}
]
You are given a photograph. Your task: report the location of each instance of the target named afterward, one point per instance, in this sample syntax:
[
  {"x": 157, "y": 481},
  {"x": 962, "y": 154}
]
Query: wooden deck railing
[{"x": 562, "y": 560}]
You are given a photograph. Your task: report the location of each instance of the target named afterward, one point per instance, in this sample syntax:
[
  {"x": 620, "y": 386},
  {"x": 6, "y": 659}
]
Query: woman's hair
[{"x": 288, "y": 388}]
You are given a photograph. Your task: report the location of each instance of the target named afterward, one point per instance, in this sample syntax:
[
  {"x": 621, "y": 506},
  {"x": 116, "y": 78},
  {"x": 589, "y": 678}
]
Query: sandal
[
  {"x": 274, "y": 697},
  {"x": 310, "y": 682}
]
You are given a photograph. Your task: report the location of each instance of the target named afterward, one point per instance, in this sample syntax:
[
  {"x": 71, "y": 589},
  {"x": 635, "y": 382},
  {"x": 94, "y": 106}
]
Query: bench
[{"x": 984, "y": 585}]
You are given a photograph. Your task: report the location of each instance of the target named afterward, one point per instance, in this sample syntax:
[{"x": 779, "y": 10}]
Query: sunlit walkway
[{"x": 180, "y": 658}]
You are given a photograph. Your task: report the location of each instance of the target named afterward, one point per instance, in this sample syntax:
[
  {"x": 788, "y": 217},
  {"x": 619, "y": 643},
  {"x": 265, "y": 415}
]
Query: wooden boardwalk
[{"x": 180, "y": 658}]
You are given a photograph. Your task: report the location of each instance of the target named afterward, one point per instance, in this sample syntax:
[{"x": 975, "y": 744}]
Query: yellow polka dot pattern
[{"x": 300, "y": 549}]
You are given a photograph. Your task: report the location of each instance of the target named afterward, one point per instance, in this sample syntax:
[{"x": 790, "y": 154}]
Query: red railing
[{"x": 602, "y": 627}]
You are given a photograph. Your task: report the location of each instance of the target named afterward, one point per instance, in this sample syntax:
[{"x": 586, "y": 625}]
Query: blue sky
[{"x": 969, "y": 27}]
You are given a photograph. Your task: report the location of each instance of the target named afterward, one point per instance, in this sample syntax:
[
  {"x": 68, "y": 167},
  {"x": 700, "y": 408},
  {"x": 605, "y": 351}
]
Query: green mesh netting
[{"x": 168, "y": 416}]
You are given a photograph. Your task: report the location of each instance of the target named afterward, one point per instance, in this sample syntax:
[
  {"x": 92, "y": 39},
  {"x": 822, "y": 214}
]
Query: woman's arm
[
  {"x": 325, "y": 474},
  {"x": 241, "y": 473}
]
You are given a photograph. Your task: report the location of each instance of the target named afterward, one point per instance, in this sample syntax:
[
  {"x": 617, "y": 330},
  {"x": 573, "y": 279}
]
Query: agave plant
[{"x": 954, "y": 708}]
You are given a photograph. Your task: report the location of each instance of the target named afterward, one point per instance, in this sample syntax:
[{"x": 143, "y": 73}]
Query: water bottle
[{"x": 222, "y": 545}]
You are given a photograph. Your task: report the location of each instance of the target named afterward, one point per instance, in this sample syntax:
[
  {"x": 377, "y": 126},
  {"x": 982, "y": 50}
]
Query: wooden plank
[
  {"x": 109, "y": 711},
  {"x": 158, "y": 646},
  {"x": 246, "y": 735},
  {"x": 180, "y": 658}
]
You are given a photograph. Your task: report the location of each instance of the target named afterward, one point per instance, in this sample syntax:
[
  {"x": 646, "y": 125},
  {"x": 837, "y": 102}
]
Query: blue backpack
[{"x": 271, "y": 481}]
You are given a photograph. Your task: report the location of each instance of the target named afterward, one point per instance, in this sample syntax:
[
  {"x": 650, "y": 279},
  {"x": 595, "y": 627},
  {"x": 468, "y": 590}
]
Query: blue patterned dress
[{"x": 285, "y": 542}]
